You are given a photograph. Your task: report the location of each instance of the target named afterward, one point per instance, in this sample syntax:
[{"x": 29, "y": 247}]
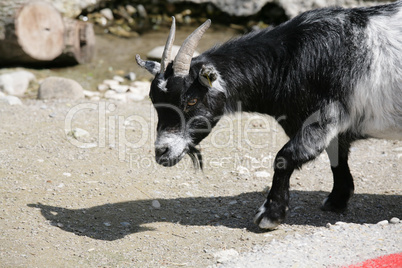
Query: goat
[{"x": 334, "y": 74}]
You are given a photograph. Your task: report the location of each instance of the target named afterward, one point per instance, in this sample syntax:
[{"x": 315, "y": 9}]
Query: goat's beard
[{"x": 196, "y": 157}]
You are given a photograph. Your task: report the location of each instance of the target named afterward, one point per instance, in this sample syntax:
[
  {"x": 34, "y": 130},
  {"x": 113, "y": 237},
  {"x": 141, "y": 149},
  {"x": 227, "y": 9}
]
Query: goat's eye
[{"x": 192, "y": 102}]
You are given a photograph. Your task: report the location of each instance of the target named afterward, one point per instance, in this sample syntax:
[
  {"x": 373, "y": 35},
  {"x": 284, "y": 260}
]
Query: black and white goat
[{"x": 334, "y": 74}]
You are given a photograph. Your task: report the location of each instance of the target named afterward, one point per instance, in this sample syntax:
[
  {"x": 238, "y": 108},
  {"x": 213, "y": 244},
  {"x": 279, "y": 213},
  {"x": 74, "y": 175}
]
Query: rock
[
  {"x": 101, "y": 21},
  {"x": 103, "y": 87},
  {"x": 384, "y": 222},
  {"x": 340, "y": 223},
  {"x": 131, "y": 76},
  {"x": 130, "y": 9},
  {"x": 156, "y": 204},
  {"x": 107, "y": 13},
  {"x": 141, "y": 11},
  {"x": 125, "y": 224},
  {"x": 16, "y": 83},
  {"x": 60, "y": 88},
  {"x": 122, "y": 32},
  {"x": 10, "y": 100},
  {"x": 262, "y": 174},
  {"x": 156, "y": 53},
  {"x": 242, "y": 171},
  {"x": 134, "y": 97},
  {"x": 225, "y": 255},
  {"x": 113, "y": 95},
  {"x": 139, "y": 90},
  {"x": 118, "y": 78},
  {"x": 120, "y": 88},
  {"x": 110, "y": 82},
  {"x": 394, "y": 220},
  {"x": 78, "y": 133}
]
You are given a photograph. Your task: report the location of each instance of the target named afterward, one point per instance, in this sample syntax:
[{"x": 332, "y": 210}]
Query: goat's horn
[
  {"x": 168, "y": 47},
  {"x": 181, "y": 64},
  {"x": 151, "y": 66}
]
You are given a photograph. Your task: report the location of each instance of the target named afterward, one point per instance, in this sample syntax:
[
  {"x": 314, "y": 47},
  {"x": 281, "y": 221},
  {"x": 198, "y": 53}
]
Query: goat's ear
[
  {"x": 207, "y": 75},
  {"x": 151, "y": 66}
]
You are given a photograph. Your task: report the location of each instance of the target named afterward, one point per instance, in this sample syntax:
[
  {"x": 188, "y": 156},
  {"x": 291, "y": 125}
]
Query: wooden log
[
  {"x": 79, "y": 43},
  {"x": 34, "y": 33}
]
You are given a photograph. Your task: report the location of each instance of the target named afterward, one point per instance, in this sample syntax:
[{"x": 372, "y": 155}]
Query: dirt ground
[
  {"x": 101, "y": 200},
  {"x": 109, "y": 205}
]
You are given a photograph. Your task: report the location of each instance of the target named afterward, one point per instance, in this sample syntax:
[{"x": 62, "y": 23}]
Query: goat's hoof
[
  {"x": 329, "y": 205},
  {"x": 263, "y": 219}
]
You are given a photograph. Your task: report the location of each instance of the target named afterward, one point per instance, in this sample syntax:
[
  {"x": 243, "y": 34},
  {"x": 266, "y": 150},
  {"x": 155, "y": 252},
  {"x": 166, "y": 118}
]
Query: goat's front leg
[
  {"x": 274, "y": 209},
  {"x": 343, "y": 188},
  {"x": 306, "y": 145}
]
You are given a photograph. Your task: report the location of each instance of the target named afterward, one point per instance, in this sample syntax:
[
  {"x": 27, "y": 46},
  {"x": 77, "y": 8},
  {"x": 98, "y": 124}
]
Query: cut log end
[
  {"x": 79, "y": 42},
  {"x": 40, "y": 31}
]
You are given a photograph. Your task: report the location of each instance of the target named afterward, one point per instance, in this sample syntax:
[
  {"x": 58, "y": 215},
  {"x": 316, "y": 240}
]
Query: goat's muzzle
[{"x": 165, "y": 157}]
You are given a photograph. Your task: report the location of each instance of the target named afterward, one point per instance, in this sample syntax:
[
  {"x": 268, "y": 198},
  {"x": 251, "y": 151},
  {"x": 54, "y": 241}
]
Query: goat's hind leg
[
  {"x": 343, "y": 188},
  {"x": 307, "y": 144}
]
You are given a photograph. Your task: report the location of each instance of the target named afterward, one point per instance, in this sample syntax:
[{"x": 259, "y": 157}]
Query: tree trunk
[
  {"x": 34, "y": 33},
  {"x": 79, "y": 43}
]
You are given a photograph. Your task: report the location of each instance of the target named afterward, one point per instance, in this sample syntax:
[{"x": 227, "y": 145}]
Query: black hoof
[{"x": 265, "y": 218}]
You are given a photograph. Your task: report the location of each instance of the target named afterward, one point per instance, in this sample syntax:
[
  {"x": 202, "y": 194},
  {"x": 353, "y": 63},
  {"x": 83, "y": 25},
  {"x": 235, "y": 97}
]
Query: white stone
[
  {"x": 131, "y": 76},
  {"x": 103, "y": 87},
  {"x": 139, "y": 90},
  {"x": 384, "y": 222},
  {"x": 110, "y": 82},
  {"x": 79, "y": 133},
  {"x": 118, "y": 78},
  {"x": 10, "y": 100},
  {"x": 107, "y": 13},
  {"x": 16, "y": 83},
  {"x": 134, "y": 97},
  {"x": 113, "y": 95},
  {"x": 226, "y": 255},
  {"x": 130, "y": 9},
  {"x": 340, "y": 223},
  {"x": 262, "y": 174},
  {"x": 120, "y": 88},
  {"x": 242, "y": 170}
]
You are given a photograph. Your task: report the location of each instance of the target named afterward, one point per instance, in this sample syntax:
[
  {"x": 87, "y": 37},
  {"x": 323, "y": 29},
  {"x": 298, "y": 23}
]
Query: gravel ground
[
  {"x": 107, "y": 204},
  {"x": 338, "y": 245}
]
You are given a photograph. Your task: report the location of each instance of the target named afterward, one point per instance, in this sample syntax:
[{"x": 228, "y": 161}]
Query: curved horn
[
  {"x": 181, "y": 64},
  {"x": 151, "y": 66},
  {"x": 168, "y": 47}
]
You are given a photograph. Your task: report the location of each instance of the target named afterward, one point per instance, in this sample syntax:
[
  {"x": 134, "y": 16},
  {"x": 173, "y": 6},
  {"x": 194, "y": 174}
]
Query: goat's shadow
[{"x": 114, "y": 221}]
